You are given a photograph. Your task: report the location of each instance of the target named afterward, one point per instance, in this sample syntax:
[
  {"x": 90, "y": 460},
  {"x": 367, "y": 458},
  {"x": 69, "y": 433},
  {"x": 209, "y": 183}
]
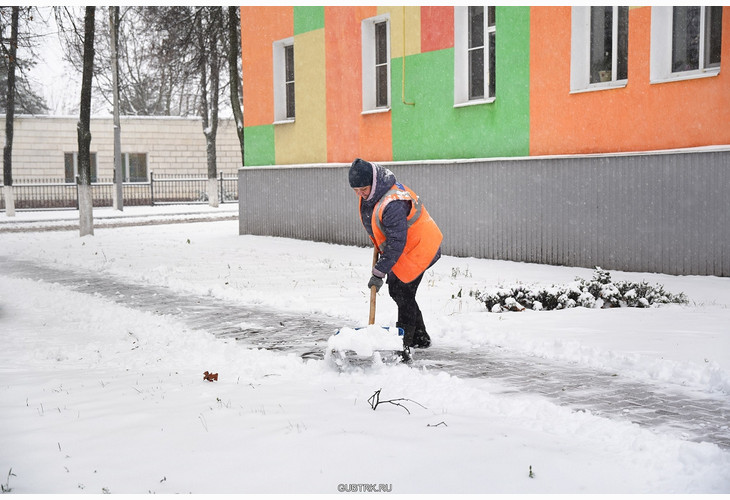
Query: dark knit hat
[{"x": 361, "y": 173}]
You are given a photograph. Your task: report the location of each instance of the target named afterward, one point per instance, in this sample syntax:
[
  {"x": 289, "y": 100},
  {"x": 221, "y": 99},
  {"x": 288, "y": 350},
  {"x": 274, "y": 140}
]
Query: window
[
  {"x": 376, "y": 64},
  {"x": 284, "y": 90},
  {"x": 71, "y": 166},
  {"x": 381, "y": 64},
  {"x": 696, "y": 37},
  {"x": 474, "y": 55},
  {"x": 685, "y": 42},
  {"x": 134, "y": 166},
  {"x": 289, "y": 79},
  {"x": 609, "y": 44},
  {"x": 599, "y": 56}
]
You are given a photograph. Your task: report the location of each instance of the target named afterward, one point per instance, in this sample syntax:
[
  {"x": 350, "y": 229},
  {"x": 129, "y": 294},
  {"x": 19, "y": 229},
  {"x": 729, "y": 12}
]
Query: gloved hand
[{"x": 375, "y": 282}]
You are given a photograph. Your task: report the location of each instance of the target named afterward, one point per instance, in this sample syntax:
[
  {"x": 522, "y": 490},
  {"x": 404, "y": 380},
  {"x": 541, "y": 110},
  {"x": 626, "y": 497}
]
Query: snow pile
[{"x": 365, "y": 341}]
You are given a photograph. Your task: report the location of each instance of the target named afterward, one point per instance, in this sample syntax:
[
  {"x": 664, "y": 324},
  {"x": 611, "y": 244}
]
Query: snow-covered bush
[{"x": 598, "y": 292}]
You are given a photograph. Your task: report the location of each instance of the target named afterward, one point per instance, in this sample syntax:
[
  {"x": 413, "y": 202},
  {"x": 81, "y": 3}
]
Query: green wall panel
[
  {"x": 259, "y": 145},
  {"x": 308, "y": 19},
  {"x": 434, "y": 129}
]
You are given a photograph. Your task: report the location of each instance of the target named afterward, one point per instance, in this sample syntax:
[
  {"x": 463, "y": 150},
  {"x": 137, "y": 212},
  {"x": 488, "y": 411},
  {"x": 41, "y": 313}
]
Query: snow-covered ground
[
  {"x": 96, "y": 397},
  {"x": 28, "y": 220}
]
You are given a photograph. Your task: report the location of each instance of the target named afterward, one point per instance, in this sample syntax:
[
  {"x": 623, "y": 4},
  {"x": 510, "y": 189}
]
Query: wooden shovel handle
[
  {"x": 373, "y": 291},
  {"x": 373, "y": 294}
]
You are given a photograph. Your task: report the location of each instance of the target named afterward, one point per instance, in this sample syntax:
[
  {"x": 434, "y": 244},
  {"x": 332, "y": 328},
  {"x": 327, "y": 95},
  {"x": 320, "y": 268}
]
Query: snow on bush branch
[{"x": 599, "y": 292}]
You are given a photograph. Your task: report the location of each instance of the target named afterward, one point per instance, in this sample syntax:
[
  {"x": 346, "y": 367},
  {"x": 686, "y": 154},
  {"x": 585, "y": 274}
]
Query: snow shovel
[{"x": 372, "y": 342}]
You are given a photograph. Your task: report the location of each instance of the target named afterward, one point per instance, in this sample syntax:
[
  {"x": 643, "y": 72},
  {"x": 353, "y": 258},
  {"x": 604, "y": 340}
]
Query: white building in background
[{"x": 46, "y": 147}]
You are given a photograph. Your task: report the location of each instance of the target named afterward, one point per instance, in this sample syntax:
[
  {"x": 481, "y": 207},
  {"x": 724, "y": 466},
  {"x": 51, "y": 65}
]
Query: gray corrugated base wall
[{"x": 661, "y": 212}]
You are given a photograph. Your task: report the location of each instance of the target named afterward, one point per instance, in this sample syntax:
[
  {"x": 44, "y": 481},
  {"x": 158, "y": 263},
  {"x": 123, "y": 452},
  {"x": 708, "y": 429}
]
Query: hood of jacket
[{"x": 383, "y": 180}]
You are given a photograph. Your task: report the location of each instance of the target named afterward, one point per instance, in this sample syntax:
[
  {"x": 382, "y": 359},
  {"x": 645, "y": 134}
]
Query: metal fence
[
  {"x": 655, "y": 212},
  {"x": 159, "y": 190}
]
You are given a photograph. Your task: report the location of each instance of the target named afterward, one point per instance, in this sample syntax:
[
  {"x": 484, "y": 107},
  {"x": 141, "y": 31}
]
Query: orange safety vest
[{"x": 423, "y": 239}]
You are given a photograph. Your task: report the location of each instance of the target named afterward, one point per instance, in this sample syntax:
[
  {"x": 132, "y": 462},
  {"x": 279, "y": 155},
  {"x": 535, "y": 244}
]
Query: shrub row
[{"x": 598, "y": 292}]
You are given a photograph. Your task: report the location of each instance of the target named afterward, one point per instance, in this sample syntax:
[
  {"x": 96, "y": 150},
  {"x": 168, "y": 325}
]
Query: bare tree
[
  {"x": 86, "y": 215},
  {"x": 157, "y": 70},
  {"x": 18, "y": 93},
  {"x": 209, "y": 34},
  {"x": 234, "y": 75},
  {"x": 24, "y": 43},
  {"x": 157, "y": 59},
  {"x": 174, "y": 51},
  {"x": 9, "y": 117}
]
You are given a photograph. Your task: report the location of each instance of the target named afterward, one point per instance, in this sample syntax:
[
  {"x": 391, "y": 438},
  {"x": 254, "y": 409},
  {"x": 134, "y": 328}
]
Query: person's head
[{"x": 361, "y": 177}]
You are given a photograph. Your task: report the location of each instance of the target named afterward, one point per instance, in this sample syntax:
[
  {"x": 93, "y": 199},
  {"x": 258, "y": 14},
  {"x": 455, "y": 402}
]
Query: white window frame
[
  {"x": 461, "y": 57},
  {"x": 661, "y": 49},
  {"x": 369, "y": 85},
  {"x": 92, "y": 159},
  {"x": 125, "y": 166},
  {"x": 580, "y": 53},
  {"x": 280, "y": 105}
]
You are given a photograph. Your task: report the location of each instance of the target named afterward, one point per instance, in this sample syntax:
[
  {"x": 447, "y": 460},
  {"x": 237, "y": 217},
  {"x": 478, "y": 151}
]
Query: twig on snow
[{"x": 374, "y": 401}]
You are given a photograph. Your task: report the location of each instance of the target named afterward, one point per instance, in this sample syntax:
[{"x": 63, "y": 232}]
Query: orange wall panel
[
  {"x": 260, "y": 27},
  {"x": 350, "y": 134},
  {"x": 376, "y": 140},
  {"x": 642, "y": 116},
  {"x": 549, "y": 75},
  {"x": 437, "y": 28},
  {"x": 343, "y": 63}
]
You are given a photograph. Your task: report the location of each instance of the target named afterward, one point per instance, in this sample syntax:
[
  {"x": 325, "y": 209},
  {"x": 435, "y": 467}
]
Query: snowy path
[{"x": 690, "y": 415}]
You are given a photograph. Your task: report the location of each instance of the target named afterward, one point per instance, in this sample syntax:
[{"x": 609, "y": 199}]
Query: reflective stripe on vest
[{"x": 396, "y": 193}]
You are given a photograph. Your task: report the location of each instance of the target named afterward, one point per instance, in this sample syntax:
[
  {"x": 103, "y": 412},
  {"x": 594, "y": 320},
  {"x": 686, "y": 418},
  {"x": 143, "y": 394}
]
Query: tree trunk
[
  {"x": 208, "y": 36},
  {"x": 234, "y": 43},
  {"x": 118, "y": 173},
  {"x": 86, "y": 213},
  {"x": 10, "y": 117}
]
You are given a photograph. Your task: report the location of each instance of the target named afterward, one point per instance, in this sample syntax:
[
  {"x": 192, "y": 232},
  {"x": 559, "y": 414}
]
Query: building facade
[
  {"x": 579, "y": 136},
  {"x": 328, "y": 84}
]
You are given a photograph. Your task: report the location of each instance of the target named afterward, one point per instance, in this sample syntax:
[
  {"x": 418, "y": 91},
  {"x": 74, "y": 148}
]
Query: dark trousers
[{"x": 404, "y": 295}]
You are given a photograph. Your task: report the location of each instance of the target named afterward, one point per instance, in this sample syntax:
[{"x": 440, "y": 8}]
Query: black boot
[
  {"x": 421, "y": 338},
  {"x": 408, "y": 334}
]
